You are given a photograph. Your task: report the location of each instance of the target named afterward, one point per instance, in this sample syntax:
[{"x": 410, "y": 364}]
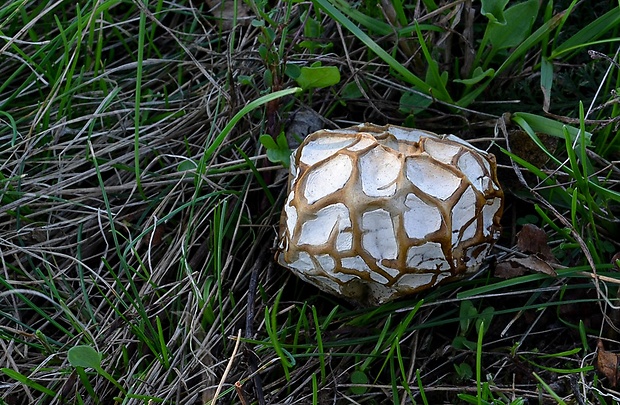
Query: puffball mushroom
[{"x": 379, "y": 212}]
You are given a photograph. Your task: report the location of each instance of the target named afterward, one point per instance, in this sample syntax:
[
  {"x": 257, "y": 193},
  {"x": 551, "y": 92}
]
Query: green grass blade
[
  {"x": 591, "y": 32},
  {"x": 17, "y": 376},
  {"x": 86, "y": 383},
  {"x": 546, "y": 125},
  {"x": 137, "y": 118},
  {"x": 409, "y": 77},
  {"x": 433, "y": 76},
  {"x": 249, "y": 107},
  {"x": 546, "y": 82},
  {"x": 162, "y": 344},
  {"x": 418, "y": 378},
  {"x": 549, "y": 390},
  {"x": 319, "y": 343},
  {"x": 372, "y": 24},
  {"x": 479, "y": 362}
]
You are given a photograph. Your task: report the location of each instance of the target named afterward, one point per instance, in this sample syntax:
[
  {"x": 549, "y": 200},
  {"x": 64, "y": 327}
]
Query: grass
[{"x": 141, "y": 180}]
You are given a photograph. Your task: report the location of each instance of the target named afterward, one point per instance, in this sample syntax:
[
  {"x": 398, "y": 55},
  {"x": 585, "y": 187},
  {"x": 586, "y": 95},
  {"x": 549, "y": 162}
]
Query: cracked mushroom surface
[{"x": 374, "y": 213}]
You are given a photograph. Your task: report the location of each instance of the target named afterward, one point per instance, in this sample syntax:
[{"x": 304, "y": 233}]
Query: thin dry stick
[
  {"x": 239, "y": 389},
  {"x": 228, "y": 367}
]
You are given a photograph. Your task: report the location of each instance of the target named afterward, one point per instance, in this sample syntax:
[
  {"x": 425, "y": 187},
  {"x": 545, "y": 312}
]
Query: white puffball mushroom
[{"x": 379, "y": 212}]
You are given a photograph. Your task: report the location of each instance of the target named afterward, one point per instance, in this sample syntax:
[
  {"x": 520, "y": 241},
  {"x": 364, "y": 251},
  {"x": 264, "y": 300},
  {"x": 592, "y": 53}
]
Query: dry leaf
[
  {"x": 607, "y": 364},
  {"x": 303, "y": 122},
  {"x": 515, "y": 267},
  {"x": 505, "y": 269},
  {"x": 532, "y": 239}
]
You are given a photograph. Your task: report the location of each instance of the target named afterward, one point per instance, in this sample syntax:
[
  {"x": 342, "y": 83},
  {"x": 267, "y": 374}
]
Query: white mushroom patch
[
  {"x": 322, "y": 148},
  {"x": 326, "y": 262},
  {"x": 476, "y": 254},
  {"x": 379, "y": 170},
  {"x": 462, "y": 218},
  {"x": 417, "y": 209},
  {"x": 415, "y": 281},
  {"x": 469, "y": 165},
  {"x": 328, "y": 178},
  {"x": 375, "y": 213},
  {"x": 429, "y": 256},
  {"x": 440, "y": 151},
  {"x": 378, "y": 236},
  {"x": 407, "y": 134},
  {"x": 291, "y": 213},
  {"x": 303, "y": 263},
  {"x": 355, "y": 263},
  {"x": 489, "y": 213},
  {"x": 318, "y": 230},
  {"x": 363, "y": 143},
  {"x": 344, "y": 241},
  {"x": 431, "y": 178}
]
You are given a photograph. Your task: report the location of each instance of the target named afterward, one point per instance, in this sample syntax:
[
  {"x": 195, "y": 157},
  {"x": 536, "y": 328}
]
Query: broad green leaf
[
  {"x": 351, "y": 90},
  {"x": 318, "y": 77},
  {"x": 277, "y": 156},
  {"x": 314, "y": 45},
  {"x": 477, "y": 75},
  {"x": 267, "y": 141},
  {"x": 245, "y": 80},
  {"x": 359, "y": 377},
  {"x": 276, "y": 152},
  {"x": 84, "y": 356},
  {"x": 484, "y": 319},
  {"x": 466, "y": 315},
  {"x": 187, "y": 165},
  {"x": 87, "y": 357},
  {"x": 312, "y": 28},
  {"x": 519, "y": 21},
  {"x": 262, "y": 52},
  {"x": 461, "y": 342},
  {"x": 267, "y": 78},
  {"x": 291, "y": 70},
  {"x": 414, "y": 103},
  {"x": 282, "y": 142},
  {"x": 494, "y": 10},
  {"x": 463, "y": 370}
]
